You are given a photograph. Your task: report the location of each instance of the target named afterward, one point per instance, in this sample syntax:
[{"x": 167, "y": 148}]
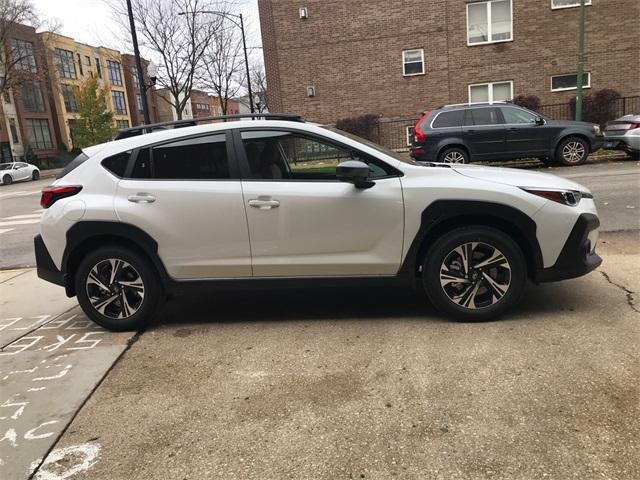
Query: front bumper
[
  {"x": 578, "y": 256},
  {"x": 44, "y": 264}
]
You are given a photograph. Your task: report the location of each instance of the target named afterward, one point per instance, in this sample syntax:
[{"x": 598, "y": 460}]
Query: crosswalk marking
[
  {"x": 5, "y": 230},
  {"x": 20, "y": 193},
  {"x": 19, "y": 222},
  {"x": 20, "y": 217}
]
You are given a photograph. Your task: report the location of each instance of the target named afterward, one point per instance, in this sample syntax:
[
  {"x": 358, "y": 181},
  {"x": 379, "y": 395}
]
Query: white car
[
  {"x": 285, "y": 202},
  {"x": 18, "y": 171}
]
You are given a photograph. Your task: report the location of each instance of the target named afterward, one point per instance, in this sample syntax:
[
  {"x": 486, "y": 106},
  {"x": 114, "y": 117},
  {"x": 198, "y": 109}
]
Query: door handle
[
  {"x": 264, "y": 203},
  {"x": 141, "y": 197}
]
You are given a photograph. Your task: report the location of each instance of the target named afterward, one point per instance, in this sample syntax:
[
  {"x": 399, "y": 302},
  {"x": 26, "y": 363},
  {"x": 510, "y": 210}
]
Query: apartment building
[
  {"x": 328, "y": 59},
  {"x": 135, "y": 90},
  {"x": 70, "y": 64},
  {"x": 26, "y": 117}
]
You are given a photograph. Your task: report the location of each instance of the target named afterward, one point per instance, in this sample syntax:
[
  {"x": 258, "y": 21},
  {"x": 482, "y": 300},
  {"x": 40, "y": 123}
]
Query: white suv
[{"x": 276, "y": 199}]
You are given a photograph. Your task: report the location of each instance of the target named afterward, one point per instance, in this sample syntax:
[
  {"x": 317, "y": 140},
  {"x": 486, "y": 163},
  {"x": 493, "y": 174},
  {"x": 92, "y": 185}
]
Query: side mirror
[
  {"x": 356, "y": 172},
  {"x": 540, "y": 121}
]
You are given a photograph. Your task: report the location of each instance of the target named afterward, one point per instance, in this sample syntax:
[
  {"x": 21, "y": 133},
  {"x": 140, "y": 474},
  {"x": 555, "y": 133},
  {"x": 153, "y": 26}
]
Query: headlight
[
  {"x": 596, "y": 129},
  {"x": 566, "y": 197}
]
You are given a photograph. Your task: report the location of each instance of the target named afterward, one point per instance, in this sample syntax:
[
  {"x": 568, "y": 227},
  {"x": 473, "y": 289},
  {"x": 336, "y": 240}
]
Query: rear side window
[
  {"x": 202, "y": 158},
  {"x": 485, "y": 116},
  {"x": 73, "y": 164},
  {"x": 117, "y": 164},
  {"x": 449, "y": 119}
]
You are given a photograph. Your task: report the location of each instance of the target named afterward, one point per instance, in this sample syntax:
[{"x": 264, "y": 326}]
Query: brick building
[
  {"x": 27, "y": 119},
  {"x": 134, "y": 92},
  {"x": 327, "y": 59}
]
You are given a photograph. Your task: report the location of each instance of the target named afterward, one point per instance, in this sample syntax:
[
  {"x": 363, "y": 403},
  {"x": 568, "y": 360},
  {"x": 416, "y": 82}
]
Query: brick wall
[{"x": 352, "y": 53}]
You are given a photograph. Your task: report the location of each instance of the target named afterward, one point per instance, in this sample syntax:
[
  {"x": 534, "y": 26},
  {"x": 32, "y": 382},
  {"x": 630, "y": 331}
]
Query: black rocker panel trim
[
  {"x": 443, "y": 215},
  {"x": 45, "y": 267}
]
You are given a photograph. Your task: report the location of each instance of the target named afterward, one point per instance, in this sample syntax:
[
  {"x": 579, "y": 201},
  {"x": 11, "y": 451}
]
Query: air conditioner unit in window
[
  {"x": 311, "y": 91},
  {"x": 304, "y": 13}
]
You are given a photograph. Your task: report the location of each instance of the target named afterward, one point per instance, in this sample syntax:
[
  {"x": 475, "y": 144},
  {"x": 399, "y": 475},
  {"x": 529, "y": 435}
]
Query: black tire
[
  {"x": 548, "y": 161},
  {"x": 634, "y": 155},
  {"x": 145, "y": 308},
  {"x": 484, "y": 304},
  {"x": 452, "y": 154},
  {"x": 7, "y": 179},
  {"x": 35, "y": 175},
  {"x": 572, "y": 151}
]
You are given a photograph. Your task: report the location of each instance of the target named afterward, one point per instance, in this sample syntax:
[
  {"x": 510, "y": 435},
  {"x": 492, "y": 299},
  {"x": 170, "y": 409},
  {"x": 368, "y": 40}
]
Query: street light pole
[
  {"x": 244, "y": 45},
  {"x": 140, "y": 72},
  {"x": 580, "y": 73}
]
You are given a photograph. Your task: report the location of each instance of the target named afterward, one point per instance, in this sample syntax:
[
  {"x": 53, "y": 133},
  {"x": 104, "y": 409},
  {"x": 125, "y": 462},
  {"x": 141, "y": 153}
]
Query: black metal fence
[{"x": 396, "y": 133}]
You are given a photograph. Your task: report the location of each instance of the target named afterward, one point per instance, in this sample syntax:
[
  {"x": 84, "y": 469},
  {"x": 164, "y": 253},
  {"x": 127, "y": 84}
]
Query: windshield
[{"x": 398, "y": 156}]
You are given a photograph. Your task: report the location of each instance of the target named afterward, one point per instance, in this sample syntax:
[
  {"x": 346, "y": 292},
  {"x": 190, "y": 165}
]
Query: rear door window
[
  {"x": 485, "y": 116},
  {"x": 117, "y": 164},
  {"x": 449, "y": 119}
]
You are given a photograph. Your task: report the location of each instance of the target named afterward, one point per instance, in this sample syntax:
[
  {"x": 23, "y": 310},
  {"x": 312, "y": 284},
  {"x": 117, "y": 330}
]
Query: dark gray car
[{"x": 501, "y": 131}]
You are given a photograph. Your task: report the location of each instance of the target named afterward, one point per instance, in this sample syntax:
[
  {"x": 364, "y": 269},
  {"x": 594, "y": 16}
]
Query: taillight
[
  {"x": 419, "y": 134},
  {"x": 52, "y": 194}
]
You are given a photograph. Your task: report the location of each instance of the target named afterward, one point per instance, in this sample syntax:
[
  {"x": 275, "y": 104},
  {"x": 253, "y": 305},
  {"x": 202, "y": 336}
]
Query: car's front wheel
[
  {"x": 117, "y": 288},
  {"x": 7, "y": 179},
  {"x": 572, "y": 151},
  {"x": 474, "y": 273},
  {"x": 454, "y": 155}
]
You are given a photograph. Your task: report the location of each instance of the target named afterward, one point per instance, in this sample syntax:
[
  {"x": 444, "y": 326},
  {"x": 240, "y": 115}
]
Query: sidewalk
[{"x": 51, "y": 359}]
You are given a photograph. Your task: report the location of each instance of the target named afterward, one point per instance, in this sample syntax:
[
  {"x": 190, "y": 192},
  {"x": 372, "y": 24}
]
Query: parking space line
[
  {"x": 5, "y": 230},
  {"x": 19, "y": 222}
]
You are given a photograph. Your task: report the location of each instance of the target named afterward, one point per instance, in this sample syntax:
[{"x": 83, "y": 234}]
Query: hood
[
  {"x": 517, "y": 178},
  {"x": 570, "y": 123}
]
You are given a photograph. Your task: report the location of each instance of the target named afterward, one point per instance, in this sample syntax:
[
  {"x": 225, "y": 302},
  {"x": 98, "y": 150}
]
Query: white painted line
[
  {"x": 20, "y": 193},
  {"x": 5, "y": 230},
  {"x": 19, "y": 222},
  {"x": 20, "y": 217}
]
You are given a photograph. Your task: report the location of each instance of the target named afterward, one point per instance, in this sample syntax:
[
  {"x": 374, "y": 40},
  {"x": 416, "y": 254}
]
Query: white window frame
[
  {"x": 409, "y": 134},
  {"x": 573, "y": 5},
  {"x": 490, "y": 90},
  {"x": 489, "y": 32},
  {"x": 588, "y": 84},
  {"x": 421, "y": 50}
]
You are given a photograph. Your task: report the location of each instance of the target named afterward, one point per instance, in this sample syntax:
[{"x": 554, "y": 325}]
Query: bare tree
[
  {"x": 222, "y": 69},
  {"x": 259, "y": 86},
  {"x": 177, "y": 35}
]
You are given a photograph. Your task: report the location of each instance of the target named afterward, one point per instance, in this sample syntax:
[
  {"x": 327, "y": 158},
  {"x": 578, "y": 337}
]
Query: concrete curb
[{"x": 50, "y": 173}]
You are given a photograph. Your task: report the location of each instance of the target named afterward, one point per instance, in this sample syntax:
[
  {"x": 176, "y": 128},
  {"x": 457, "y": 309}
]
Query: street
[{"x": 310, "y": 384}]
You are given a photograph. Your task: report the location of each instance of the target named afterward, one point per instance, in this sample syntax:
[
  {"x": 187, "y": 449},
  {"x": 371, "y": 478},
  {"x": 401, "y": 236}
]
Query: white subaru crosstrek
[{"x": 277, "y": 199}]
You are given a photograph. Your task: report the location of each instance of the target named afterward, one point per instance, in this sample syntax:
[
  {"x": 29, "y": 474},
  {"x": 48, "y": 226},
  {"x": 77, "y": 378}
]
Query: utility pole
[
  {"x": 580, "y": 72},
  {"x": 140, "y": 72},
  {"x": 246, "y": 64}
]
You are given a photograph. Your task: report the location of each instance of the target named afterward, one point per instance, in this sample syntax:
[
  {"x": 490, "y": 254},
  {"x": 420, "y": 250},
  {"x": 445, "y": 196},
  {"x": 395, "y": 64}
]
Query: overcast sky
[{"x": 91, "y": 22}]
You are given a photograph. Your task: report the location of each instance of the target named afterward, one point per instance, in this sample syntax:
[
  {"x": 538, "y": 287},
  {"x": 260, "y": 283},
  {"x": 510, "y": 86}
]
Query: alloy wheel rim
[
  {"x": 475, "y": 275},
  {"x": 115, "y": 288},
  {"x": 573, "y": 152},
  {"x": 454, "y": 157}
]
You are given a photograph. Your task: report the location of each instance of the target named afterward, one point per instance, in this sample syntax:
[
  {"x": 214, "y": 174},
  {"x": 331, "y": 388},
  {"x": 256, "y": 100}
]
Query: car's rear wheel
[
  {"x": 474, "y": 273},
  {"x": 572, "y": 151},
  {"x": 35, "y": 175},
  {"x": 454, "y": 155},
  {"x": 7, "y": 179},
  {"x": 117, "y": 288},
  {"x": 634, "y": 155}
]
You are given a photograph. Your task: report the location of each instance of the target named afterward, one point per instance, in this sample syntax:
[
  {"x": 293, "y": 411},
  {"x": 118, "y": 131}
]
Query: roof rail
[
  {"x": 467, "y": 104},
  {"x": 190, "y": 122}
]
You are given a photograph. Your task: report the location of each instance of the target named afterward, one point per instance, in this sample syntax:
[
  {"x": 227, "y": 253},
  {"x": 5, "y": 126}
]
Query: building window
[
  {"x": 15, "y": 139},
  {"x": 87, "y": 60},
  {"x": 32, "y": 100},
  {"x": 560, "y": 83},
  {"x": 202, "y": 107},
  {"x": 119, "y": 105},
  {"x": 413, "y": 62},
  {"x": 555, "y": 4},
  {"x": 38, "y": 134},
  {"x": 139, "y": 102},
  {"x": 489, "y": 22},
  {"x": 69, "y": 96},
  {"x": 136, "y": 81},
  {"x": 114, "y": 72},
  {"x": 22, "y": 53},
  {"x": 120, "y": 124},
  {"x": 66, "y": 66},
  {"x": 98, "y": 68},
  {"x": 408, "y": 131},
  {"x": 490, "y": 92}
]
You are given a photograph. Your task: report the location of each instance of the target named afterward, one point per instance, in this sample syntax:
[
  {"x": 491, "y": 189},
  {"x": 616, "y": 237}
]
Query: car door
[
  {"x": 484, "y": 133},
  {"x": 186, "y": 194},
  {"x": 21, "y": 171},
  {"x": 523, "y": 135},
  {"x": 305, "y": 222}
]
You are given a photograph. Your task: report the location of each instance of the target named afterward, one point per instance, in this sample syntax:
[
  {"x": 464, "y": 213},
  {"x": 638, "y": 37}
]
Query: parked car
[
  {"x": 501, "y": 131},
  {"x": 18, "y": 171},
  {"x": 624, "y": 134},
  {"x": 284, "y": 202}
]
